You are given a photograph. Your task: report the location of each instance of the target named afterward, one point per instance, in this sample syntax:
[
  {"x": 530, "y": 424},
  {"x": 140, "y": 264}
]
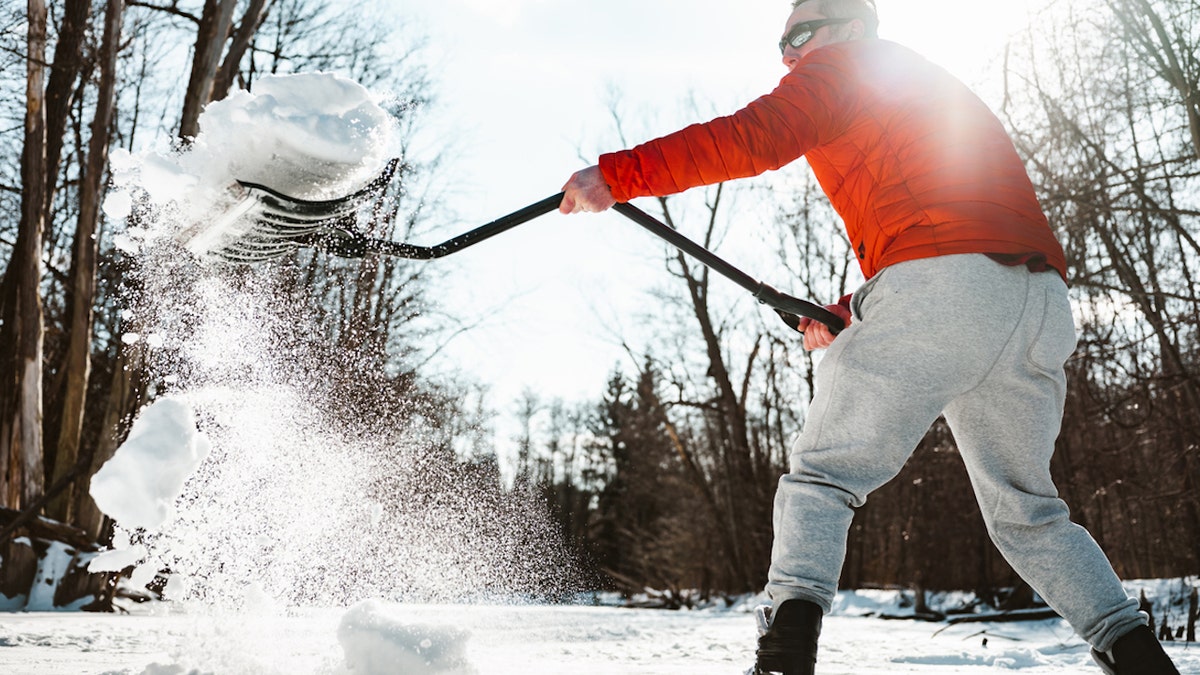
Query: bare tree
[
  {"x": 62, "y": 85},
  {"x": 77, "y": 363},
  {"x": 213, "y": 31},
  {"x": 1096, "y": 113},
  {"x": 1164, "y": 38},
  {"x": 243, "y": 37},
  {"x": 21, "y": 335}
]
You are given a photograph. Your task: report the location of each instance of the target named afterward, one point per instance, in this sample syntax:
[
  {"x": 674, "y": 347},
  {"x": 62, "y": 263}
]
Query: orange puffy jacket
[{"x": 914, "y": 163}]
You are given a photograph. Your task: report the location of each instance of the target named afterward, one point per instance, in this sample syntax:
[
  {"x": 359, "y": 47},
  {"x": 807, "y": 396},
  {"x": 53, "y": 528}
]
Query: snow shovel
[{"x": 279, "y": 224}]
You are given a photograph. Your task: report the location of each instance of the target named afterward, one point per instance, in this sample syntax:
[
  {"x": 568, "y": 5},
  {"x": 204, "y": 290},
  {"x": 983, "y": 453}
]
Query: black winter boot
[
  {"x": 789, "y": 645},
  {"x": 1137, "y": 652}
]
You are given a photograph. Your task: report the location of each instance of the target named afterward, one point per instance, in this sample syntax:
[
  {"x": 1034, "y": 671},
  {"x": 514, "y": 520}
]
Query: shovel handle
[
  {"x": 788, "y": 307},
  {"x": 501, "y": 224}
]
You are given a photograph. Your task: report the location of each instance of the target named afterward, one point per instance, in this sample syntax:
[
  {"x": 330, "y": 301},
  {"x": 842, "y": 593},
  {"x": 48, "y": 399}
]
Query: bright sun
[{"x": 957, "y": 34}]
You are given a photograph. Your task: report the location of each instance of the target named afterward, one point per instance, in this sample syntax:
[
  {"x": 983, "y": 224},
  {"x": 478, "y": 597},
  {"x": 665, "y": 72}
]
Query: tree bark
[
  {"x": 21, "y": 336},
  {"x": 210, "y": 41},
  {"x": 253, "y": 17},
  {"x": 45, "y": 528},
  {"x": 64, "y": 73},
  {"x": 77, "y": 364}
]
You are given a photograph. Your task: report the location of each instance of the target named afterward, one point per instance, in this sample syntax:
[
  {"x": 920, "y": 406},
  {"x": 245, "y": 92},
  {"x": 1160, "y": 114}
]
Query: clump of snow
[
  {"x": 117, "y": 559},
  {"x": 118, "y": 205},
  {"x": 138, "y": 486},
  {"x": 308, "y": 135},
  {"x": 376, "y": 642}
]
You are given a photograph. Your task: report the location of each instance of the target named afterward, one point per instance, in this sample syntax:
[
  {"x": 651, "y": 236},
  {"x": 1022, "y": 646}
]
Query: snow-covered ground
[{"x": 377, "y": 638}]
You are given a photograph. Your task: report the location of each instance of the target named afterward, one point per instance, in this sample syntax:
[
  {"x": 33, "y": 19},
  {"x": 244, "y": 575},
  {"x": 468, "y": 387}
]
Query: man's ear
[{"x": 858, "y": 29}]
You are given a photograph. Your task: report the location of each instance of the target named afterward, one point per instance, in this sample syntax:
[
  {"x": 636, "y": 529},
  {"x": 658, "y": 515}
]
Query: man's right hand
[
  {"x": 816, "y": 334},
  {"x": 586, "y": 192}
]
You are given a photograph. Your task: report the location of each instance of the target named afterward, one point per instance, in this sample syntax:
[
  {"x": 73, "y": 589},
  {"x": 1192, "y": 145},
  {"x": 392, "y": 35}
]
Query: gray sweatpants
[{"x": 984, "y": 344}]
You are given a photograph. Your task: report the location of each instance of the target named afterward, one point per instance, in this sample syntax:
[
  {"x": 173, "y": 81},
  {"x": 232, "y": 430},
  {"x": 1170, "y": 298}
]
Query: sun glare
[{"x": 960, "y": 36}]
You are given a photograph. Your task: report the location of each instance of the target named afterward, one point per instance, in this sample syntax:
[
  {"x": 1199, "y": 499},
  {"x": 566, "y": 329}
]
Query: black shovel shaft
[
  {"x": 501, "y": 224},
  {"x": 762, "y": 292},
  {"x": 789, "y": 308}
]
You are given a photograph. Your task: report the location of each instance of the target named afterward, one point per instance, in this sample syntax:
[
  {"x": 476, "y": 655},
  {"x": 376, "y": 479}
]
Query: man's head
[{"x": 816, "y": 23}]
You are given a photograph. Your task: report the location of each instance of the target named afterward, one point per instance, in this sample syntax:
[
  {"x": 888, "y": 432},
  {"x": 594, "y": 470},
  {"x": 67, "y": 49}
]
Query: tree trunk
[
  {"x": 68, "y": 61},
  {"x": 210, "y": 41},
  {"x": 742, "y": 507},
  {"x": 247, "y": 27},
  {"x": 21, "y": 334},
  {"x": 83, "y": 270}
]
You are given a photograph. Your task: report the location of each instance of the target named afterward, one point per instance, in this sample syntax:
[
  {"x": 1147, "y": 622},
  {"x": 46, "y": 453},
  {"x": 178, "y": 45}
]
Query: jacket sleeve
[{"x": 807, "y": 108}]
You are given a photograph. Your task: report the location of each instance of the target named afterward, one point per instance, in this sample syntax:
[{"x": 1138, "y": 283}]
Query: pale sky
[{"x": 524, "y": 87}]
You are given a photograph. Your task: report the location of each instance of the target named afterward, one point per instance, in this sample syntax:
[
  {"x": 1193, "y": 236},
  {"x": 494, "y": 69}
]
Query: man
[{"x": 964, "y": 314}]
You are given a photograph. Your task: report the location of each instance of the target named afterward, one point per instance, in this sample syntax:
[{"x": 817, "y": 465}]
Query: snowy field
[{"x": 378, "y": 638}]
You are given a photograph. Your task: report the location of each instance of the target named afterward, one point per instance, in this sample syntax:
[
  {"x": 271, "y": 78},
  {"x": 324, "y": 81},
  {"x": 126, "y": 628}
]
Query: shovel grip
[{"x": 790, "y": 309}]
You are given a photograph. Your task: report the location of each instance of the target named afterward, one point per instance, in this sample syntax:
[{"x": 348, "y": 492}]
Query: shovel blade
[
  {"x": 286, "y": 208},
  {"x": 263, "y": 223}
]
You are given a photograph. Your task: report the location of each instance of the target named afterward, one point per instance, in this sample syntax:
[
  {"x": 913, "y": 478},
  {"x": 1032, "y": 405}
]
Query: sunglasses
[{"x": 803, "y": 32}]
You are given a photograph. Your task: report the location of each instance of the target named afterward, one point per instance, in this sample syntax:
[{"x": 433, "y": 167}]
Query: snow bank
[
  {"x": 138, "y": 486},
  {"x": 379, "y": 643}
]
